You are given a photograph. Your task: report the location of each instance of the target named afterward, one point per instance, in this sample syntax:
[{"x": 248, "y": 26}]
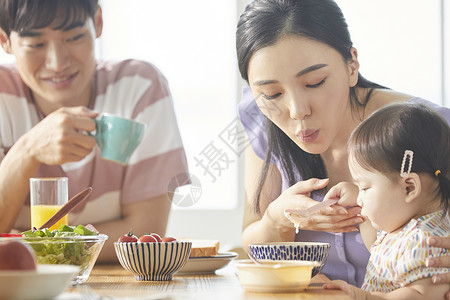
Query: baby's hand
[
  {"x": 354, "y": 292},
  {"x": 345, "y": 192}
]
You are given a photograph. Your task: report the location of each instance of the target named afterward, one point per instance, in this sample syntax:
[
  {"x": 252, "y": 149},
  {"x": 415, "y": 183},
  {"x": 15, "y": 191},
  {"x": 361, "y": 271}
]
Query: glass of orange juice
[{"x": 47, "y": 196}]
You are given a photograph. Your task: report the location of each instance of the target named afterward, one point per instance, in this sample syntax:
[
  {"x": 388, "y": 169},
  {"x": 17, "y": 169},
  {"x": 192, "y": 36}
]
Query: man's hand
[{"x": 60, "y": 137}]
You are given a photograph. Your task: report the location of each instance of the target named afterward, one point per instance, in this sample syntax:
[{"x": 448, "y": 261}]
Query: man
[{"x": 48, "y": 100}]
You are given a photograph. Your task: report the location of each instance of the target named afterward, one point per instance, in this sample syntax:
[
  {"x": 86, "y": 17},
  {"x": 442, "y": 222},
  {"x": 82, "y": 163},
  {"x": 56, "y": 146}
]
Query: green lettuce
[{"x": 61, "y": 251}]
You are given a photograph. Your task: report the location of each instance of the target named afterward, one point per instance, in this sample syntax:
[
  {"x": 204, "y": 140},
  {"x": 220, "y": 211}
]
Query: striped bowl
[
  {"x": 153, "y": 261},
  {"x": 307, "y": 251}
]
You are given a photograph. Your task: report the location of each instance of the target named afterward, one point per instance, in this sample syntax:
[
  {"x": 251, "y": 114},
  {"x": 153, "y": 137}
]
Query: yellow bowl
[{"x": 275, "y": 276}]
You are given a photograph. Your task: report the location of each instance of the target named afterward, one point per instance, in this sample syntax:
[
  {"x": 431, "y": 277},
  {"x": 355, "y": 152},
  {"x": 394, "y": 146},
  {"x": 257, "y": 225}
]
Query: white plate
[
  {"x": 47, "y": 282},
  {"x": 207, "y": 265}
]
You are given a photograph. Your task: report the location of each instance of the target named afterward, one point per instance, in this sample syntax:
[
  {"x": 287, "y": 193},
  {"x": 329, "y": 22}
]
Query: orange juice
[{"x": 41, "y": 213}]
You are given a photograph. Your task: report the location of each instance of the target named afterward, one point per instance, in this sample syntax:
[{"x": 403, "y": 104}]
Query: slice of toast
[{"x": 203, "y": 248}]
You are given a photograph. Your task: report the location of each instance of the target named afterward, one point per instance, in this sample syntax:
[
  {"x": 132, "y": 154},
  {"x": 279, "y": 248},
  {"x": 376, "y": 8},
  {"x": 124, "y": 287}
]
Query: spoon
[
  {"x": 253, "y": 259},
  {"x": 312, "y": 209},
  {"x": 274, "y": 265},
  {"x": 78, "y": 198}
]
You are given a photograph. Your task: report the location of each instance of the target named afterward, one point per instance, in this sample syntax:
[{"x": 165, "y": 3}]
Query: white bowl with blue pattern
[
  {"x": 306, "y": 251},
  {"x": 153, "y": 261}
]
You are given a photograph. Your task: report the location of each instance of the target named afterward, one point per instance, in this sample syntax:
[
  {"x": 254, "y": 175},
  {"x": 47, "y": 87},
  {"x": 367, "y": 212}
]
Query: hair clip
[{"x": 408, "y": 154}]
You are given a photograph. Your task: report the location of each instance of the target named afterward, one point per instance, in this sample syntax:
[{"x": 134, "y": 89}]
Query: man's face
[{"x": 57, "y": 65}]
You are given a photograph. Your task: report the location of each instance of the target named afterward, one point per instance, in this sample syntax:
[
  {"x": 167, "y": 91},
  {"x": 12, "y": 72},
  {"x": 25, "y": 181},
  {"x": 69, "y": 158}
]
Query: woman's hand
[
  {"x": 440, "y": 262},
  {"x": 59, "y": 138},
  {"x": 336, "y": 218}
]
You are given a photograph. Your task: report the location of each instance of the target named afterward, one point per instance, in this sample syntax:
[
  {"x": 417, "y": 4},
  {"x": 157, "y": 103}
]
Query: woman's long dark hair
[
  {"x": 262, "y": 24},
  {"x": 379, "y": 144}
]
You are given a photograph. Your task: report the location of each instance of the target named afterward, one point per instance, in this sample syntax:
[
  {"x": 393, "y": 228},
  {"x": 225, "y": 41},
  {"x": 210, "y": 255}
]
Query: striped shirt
[
  {"x": 399, "y": 259},
  {"x": 131, "y": 89}
]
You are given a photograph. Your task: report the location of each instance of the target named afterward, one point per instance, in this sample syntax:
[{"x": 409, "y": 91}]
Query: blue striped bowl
[
  {"x": 308, "y": 251},
  {"x": 153, "y": 261}
]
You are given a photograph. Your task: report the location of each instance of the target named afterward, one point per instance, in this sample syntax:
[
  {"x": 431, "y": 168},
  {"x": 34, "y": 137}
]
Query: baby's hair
[{"x": 380, "y": 141}]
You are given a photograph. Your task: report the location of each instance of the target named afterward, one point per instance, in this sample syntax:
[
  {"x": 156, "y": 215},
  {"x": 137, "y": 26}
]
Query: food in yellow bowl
[{"x": 275, "y": 276}]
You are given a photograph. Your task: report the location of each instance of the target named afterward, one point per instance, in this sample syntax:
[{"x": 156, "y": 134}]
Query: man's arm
[
  {"x": 56, "y": 140},
  {"x": 148, "y": 216},
  {"x": 15, "y": 170}
]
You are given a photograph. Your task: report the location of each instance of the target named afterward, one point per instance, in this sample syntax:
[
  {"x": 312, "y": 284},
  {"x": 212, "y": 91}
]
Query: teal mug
[{"x": 118, "y": 137}]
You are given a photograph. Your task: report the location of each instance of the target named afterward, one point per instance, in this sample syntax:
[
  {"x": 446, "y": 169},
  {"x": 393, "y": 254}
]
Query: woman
[{"x": 306, "y": 96}]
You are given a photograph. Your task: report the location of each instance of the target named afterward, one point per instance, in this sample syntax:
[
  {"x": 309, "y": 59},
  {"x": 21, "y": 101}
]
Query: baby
[{"x": 399, "y": 159}]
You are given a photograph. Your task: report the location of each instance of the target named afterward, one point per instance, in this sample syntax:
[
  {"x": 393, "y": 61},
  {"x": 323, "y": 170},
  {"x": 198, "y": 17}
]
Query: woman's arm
[
  {"x": 441, "y": 261},
  {"x": 260, "y": 228}
]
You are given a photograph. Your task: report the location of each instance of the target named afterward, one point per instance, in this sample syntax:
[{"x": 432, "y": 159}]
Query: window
[
  {"x": 399, "y": 44},
  {"x": 192, "y": 43}
]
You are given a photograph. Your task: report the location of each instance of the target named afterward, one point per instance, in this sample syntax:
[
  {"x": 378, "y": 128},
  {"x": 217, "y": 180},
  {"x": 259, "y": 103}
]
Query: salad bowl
[
  {"x": 68, "y": 245},
  {"x": 81, "y": 251}
]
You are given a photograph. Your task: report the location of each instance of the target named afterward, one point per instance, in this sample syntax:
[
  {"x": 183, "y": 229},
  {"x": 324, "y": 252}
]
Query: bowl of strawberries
[{"x": 150, "y": 257}]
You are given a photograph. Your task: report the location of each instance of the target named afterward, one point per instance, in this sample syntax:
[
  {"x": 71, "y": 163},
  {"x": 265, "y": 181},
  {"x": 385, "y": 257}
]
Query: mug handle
[{"x": 97, "y": 134}]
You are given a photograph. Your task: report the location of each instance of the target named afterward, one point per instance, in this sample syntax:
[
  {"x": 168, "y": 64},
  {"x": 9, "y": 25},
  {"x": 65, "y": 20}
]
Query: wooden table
[{"x": 112, "y": 281}]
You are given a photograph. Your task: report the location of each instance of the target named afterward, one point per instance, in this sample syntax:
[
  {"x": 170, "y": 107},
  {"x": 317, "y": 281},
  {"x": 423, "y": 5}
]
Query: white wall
[
  {"x": 224, "y": 224},
  {"x": 399, "y": 43}
]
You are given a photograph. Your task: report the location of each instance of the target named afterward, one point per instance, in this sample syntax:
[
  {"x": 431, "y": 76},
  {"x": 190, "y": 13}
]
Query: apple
[
  {"x": 168, "y": 239},
  {"x": 15, "y": 255}
]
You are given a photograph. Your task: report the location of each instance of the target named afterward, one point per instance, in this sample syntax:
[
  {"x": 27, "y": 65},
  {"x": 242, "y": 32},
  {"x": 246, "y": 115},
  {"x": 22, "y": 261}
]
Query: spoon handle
[
  {"x": 81, "y": 196},
  {"x": 253, "y": 259},
  {"x": 312, "y": 209}
]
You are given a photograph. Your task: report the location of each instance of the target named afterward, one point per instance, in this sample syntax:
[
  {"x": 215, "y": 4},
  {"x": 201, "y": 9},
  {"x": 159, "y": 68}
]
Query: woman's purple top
[{"x": 348, "y": 255}]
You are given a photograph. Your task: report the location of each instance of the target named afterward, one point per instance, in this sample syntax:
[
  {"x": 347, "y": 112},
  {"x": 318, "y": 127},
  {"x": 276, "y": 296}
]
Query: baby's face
[{"x": 381, "y": 199}]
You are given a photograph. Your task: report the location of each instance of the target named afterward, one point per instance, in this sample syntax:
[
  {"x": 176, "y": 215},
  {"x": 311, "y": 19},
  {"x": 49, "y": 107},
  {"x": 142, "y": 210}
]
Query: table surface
[{"x": 114, "y": 282}]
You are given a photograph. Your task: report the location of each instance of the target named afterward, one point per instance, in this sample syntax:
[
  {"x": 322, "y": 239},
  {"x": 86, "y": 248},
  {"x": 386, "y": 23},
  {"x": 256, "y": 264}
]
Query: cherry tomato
[
  {"x": 128, "y": 238},
  {"x": 168, "y": 239},
  {"x": 157, "y": 237},
  {"x": 147, "y": 238}
]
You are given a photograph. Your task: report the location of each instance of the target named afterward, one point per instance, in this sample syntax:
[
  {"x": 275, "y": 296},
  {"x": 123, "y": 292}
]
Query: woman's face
[{"x": 303, "y": 87}]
